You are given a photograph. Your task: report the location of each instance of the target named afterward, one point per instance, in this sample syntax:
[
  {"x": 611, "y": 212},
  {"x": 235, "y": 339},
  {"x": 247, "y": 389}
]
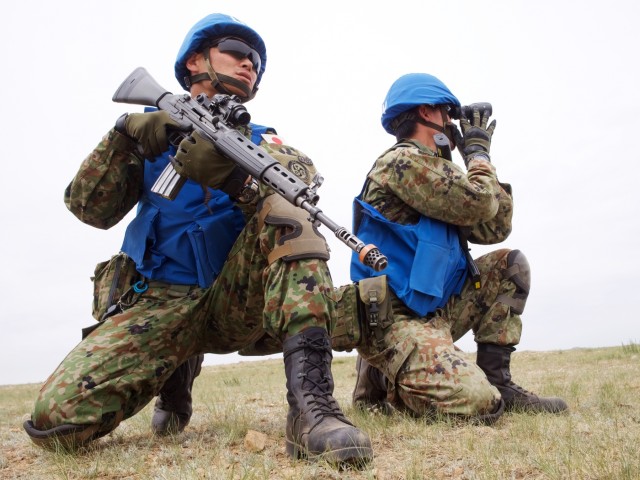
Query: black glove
[
  {"x": 149, "y": 130},
  {"x": 475, "y": 139}
]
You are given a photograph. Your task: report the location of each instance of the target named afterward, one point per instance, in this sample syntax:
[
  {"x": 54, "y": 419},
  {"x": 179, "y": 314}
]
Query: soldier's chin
[{"x": 235, "y": 90}]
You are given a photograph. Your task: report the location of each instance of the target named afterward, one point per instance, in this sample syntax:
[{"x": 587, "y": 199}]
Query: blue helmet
[
  {"x": 214, "y": 26},
  {"x": 411, "y": 90}
]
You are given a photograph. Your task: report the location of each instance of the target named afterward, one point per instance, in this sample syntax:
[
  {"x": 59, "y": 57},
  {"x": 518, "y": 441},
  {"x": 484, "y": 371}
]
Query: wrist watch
[{"x": 248, "y": 191}]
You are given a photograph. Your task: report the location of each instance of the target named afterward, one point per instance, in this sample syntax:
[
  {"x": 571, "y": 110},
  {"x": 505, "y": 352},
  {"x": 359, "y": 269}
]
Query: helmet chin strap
[
  {"x": 445, "y": 128},
  {"x": 218, "y": 80},
  {"x": 435, "y": 126}
]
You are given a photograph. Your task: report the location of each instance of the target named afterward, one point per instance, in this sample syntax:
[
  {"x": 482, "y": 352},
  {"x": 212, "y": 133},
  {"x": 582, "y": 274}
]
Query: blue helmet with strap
[
  {"x": 411, "y": 90},
  {"x": 211, "y": 27}
]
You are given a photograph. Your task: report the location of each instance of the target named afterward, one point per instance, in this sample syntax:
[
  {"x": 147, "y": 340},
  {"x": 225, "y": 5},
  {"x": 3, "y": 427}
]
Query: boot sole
[
  {"x": 349, "y": 455},
  {"x": 534, "y": 409}
]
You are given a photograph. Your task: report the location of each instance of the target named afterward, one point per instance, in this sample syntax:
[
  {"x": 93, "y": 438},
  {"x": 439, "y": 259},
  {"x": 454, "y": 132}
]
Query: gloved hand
[
  {"x": 199, "y": 160},
  {"x": 150, "y": 131},
  {"x": 476, "y": 136}
]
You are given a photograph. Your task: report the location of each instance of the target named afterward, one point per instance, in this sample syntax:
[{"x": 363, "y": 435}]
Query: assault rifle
[{"x": 215, "y": 120}]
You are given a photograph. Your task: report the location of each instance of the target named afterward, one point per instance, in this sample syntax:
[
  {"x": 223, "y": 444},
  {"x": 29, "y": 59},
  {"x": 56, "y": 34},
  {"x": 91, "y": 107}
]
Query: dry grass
[{"x": 598, "y": 439}]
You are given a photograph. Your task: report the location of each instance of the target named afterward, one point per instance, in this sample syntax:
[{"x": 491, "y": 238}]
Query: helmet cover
[
  {"x": 411, "y": 90},
  {"x": 216, "y": 25}
]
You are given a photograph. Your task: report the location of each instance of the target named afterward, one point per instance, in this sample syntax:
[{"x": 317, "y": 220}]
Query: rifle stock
[{"x": 215, "y": 119}]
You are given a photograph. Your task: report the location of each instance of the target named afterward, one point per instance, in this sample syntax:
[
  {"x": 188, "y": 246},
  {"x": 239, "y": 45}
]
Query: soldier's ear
[
  {"x": 427, "y": 113},
  {"x": 193, "y": 63}
]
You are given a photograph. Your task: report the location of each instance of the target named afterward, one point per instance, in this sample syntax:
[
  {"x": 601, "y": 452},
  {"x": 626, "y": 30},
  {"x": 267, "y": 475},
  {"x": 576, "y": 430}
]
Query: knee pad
[
  {"x": 304, "y": 240},
  {"x": 519, "y": 272}
]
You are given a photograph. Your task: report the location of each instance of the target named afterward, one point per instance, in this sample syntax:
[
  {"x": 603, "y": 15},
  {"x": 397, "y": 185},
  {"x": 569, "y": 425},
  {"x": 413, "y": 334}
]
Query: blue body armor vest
[
  {"x": 185, "y": 241},
  {"x": 426, "y": 262}
]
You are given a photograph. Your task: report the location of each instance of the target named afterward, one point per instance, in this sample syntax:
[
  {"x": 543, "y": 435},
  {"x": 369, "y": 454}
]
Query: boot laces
[
  {"x": 317, "y": 384},
  {"x": 517, "y": 388}
]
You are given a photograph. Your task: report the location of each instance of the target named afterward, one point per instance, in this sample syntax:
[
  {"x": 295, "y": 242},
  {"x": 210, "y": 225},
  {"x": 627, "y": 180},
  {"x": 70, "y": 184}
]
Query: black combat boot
[
  {"x": 495, "y": 361},
  {"x": 71, "y": 436},
  {"x": 172, "y": 411},
  {"x": 67, "y": 437},
  {"x": 370, "y": 392},
  {"x": 316, "y": 427}
]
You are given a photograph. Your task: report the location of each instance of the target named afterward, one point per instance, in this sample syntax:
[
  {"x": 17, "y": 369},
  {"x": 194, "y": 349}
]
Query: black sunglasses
[{"x": 239, "y": 49}]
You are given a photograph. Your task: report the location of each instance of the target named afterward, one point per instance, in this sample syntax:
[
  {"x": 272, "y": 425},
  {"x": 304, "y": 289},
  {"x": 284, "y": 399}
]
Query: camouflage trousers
[
  {"x": 118, "y": 368},
  {"x": 426, "y": 373}
]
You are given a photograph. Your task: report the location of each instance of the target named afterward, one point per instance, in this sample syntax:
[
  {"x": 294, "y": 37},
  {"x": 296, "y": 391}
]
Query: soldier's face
[
  {"x": 241, "y": 69},
  {"x": 229, "y": 64}
]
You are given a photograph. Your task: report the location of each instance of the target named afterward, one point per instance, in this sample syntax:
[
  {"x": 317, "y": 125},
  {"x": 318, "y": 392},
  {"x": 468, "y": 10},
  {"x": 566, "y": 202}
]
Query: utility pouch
[
  {"x": 378, "y": 312},
  {"x": 346, "y": 331},
  {"x": 112, "y": 278},
  {"x": 363, "y": 308}
]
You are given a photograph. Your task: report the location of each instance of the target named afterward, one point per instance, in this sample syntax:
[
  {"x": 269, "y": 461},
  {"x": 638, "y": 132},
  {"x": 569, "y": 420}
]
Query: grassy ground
[{"x": 598, "y": 439}]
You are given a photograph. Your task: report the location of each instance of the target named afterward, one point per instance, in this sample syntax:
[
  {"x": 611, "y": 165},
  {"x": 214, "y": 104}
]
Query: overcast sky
[{"x": 563, "y": 78}]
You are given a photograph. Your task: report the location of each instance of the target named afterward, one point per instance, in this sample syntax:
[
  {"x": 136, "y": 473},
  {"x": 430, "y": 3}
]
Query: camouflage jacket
[
  {"x": 409, "y": 180},
  {"x": 181, "y": 242},
  {"x": 110, "y": 183}
]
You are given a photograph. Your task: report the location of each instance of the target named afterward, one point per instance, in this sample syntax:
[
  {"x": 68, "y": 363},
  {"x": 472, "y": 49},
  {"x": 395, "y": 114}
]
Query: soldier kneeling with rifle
[{"x": 214, "y": 266}]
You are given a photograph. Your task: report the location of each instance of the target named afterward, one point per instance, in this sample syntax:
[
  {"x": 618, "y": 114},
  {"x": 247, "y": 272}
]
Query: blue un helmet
[
  {"x": 411, "y": 90},
  {"x": 202, "y": 36}
]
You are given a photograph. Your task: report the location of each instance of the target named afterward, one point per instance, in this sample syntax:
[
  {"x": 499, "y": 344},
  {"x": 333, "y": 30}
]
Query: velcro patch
[{"x": 267, "y": 137}]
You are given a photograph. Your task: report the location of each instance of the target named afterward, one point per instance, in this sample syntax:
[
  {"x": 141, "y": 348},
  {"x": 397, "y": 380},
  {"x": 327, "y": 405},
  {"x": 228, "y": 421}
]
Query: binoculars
[{"x": 466, "y": 111}]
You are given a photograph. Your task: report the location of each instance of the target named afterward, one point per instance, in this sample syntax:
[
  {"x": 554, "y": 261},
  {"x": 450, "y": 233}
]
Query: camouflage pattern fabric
[
  {"x": 108, "y": 184},
  {"x": 426, "y": 373},
  {"x": 117, "y": 369},
  {"x": 409, "y": 180}
]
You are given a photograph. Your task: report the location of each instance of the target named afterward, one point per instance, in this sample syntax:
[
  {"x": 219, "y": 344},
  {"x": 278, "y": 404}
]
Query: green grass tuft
[{"x": 597, "y": 439}]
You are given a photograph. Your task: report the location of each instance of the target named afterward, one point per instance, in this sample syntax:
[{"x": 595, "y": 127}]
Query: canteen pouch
[
  {"x": 111, "y": 279},
  {"x": 363, "y": 308},
  {"x": 346, "y": 331}
]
